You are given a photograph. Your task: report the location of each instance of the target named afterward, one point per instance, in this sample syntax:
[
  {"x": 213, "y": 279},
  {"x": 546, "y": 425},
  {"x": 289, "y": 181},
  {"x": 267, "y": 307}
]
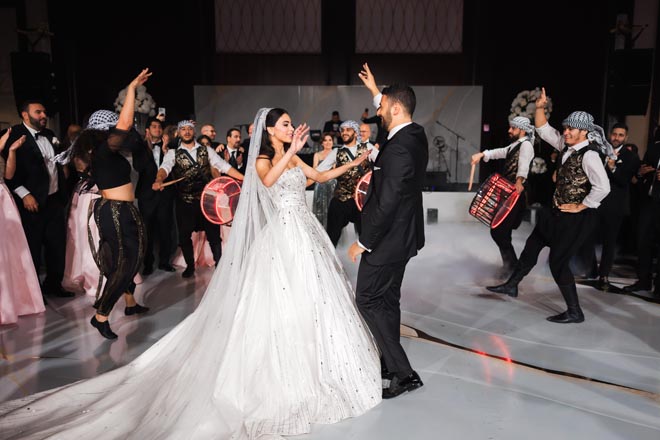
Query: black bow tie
[{"x": 39, "y": 133}]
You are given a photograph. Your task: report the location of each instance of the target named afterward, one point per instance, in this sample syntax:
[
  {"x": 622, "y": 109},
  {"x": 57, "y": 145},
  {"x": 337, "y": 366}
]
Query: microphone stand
[{"x": 458, "y": 137}]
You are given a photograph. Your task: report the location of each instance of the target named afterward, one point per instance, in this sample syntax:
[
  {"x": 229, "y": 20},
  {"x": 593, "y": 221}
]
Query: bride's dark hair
[{"x": 272, "y": 117}]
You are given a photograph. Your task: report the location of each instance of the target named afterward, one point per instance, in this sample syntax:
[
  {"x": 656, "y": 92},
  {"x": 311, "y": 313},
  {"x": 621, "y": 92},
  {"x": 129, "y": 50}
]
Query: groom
[{"x": 392, "y": 228}]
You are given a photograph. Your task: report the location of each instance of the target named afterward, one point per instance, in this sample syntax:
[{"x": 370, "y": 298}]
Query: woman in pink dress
[{"x": 20, "y": 293}]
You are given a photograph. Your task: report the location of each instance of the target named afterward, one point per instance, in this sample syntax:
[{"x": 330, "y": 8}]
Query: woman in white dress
[{"x": 276, "y": 344}]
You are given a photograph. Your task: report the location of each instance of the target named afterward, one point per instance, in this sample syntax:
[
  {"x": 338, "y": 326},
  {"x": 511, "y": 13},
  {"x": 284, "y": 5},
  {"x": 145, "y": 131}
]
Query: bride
[{"x": 275, "y": 345}]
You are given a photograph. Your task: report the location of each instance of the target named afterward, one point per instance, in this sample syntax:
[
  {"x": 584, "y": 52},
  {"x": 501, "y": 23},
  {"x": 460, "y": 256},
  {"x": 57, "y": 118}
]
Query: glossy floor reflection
[{"x": 599, "y": 379}]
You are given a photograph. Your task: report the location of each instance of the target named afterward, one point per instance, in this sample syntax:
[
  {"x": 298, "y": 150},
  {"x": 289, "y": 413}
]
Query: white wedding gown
[{"x": 273, "y": 348}]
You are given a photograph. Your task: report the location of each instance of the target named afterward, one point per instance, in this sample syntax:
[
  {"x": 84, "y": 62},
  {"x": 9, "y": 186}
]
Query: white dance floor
[{"x": 493, "y": 367}]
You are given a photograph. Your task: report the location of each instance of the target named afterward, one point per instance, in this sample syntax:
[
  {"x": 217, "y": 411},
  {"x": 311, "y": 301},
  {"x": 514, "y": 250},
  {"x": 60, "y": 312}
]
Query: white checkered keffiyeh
[
  {"x": 355, "y": 126},
  {"x": 584, "y": 121},
  {"x": 185, "y": 123},
  {"x": 102, "y": 120},
  {"x": 525, "y": 125}
]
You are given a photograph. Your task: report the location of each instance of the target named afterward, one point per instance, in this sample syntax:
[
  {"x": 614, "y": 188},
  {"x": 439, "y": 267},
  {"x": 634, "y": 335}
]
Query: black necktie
[{"x": 232, "y": 159}]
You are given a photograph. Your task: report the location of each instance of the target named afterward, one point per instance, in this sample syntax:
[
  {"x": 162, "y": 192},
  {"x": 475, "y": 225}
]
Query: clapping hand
[
  {"x": 299, "y": 138},
  {"x": 14, "y": 146},
  {"x": 3, "y": 139},
  {"x": 17, "y": 143}
]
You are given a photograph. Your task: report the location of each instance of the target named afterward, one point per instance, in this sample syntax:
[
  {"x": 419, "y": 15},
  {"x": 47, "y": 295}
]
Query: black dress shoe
[
  {"x": 103, "y": 328},
  {"x": 567, "y": 317},
  {"x": 166, "y": 267},
  {"x": 189, "y": 272},
  {"x": 399, "y": 386},
  {"x": 506, "y": 289},
  {"x": 136, "y": 309},
  {"x": 148, "y": 270},
  {"x": 637, "y": 286}
]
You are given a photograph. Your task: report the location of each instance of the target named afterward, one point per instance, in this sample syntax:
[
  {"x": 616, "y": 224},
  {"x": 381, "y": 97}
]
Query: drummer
[
  {"x": 518, "y": 156},
  {"x": 343, "y": 208},
  {"x": 195, "y": 165},
  {"x": 582, "y": 184}
]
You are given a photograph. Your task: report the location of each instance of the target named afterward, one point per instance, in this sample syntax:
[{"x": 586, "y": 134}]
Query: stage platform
[{"x": 493, "y": 367}]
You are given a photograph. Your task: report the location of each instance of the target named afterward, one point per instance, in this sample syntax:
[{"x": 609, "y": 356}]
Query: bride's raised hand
[{"x": 300, "y": 136}]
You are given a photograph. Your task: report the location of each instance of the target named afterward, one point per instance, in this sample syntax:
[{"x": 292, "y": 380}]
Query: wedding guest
[
  {"x": 122, "y": 236},
  {"x": 323, "y": 191},
  {"x": 19, "y": 285},
  {"x": 40, "y": 192}
]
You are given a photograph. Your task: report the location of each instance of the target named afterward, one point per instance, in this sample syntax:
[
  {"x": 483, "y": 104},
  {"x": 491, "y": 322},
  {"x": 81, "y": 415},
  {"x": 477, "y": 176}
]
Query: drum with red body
[
  {"x": 220, "y": 199},
  {"x": 361, "y": 190},
  {"x": 494, "y": 201}
]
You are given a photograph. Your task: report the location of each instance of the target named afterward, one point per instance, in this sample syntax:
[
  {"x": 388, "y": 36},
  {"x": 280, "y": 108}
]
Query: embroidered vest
[
  {"x": 511, "y": 163},
  {"x": 345, "y": 189},
  {"x": 572, "y": 182},
  {"x": 196, "y": 174}
]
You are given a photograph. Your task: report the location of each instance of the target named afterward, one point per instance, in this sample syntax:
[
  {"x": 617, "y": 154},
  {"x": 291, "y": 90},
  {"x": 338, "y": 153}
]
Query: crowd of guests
[{"x": 48, "y": 221}]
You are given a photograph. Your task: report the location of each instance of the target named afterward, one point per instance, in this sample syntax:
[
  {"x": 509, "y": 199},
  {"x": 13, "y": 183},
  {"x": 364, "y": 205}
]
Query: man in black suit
[
  {"x": 156, "y": 207},
  {"x": 648, "y": 227},
  {"x": 615, "y": 206},
  {"x": 39, "y": 189},
  {"x": 392, "y": 229},
  {"x": 332, "y": 127}
]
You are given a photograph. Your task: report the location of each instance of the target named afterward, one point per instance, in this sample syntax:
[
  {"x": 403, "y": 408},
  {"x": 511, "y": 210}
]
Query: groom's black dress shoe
[
  {"x": 399, "y": 386},
  {"x": 103, "y": 328},
  {"x": 166, "y": 267}
]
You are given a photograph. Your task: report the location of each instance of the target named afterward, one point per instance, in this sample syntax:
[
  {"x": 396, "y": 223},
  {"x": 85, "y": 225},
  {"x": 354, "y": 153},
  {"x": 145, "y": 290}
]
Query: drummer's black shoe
[
  {"x": 511, "y": 286},
  {"x": 603, "y": 284}
]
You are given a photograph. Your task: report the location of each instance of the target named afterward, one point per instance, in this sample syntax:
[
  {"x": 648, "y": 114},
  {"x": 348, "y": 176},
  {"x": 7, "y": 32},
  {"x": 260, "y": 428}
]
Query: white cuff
[
  {"x": 363, "y": 246},
  {"x": 21, "y": 191},
  {"x": 377, "y": 99}
]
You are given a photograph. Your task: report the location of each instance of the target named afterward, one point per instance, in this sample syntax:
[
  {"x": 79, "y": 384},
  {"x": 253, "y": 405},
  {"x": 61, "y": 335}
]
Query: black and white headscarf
[
  {"x": 525, "y": 125},
  {"x": 356, "y": 128},
  {"x": 584, "y": 121},
  {"x": 102, "y": 120},
  {"x": 185, "y": 123},
  {"x": 99, "y": 120}
]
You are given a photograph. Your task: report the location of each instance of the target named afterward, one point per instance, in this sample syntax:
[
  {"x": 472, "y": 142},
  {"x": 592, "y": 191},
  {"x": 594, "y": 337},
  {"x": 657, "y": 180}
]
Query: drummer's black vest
[
  {"x": 572, "y": 182},
  {"x": 196, "y": 174},
  {"x": 345, "y": 189},
  {"x": 511, "y": 163}
]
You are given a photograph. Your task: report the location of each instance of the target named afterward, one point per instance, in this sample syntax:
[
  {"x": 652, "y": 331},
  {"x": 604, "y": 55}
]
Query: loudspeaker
[
  {"x": 33, "y": 78},
  {"x": 629, "y": 81}
]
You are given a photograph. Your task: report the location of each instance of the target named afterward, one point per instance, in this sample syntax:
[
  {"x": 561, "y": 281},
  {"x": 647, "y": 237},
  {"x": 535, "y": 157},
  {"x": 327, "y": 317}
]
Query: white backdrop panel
[{"x": 457, "y": 107}]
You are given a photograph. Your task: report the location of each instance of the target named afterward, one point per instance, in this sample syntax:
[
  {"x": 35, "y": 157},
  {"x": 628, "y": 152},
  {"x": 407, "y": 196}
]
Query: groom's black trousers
[{"x": 378, "y": 294}]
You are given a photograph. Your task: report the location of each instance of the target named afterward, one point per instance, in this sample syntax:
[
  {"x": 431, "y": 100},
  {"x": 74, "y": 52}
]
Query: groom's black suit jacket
[
  {"x": 393, "y": 216},
  {"x": 31, "y": 171}
]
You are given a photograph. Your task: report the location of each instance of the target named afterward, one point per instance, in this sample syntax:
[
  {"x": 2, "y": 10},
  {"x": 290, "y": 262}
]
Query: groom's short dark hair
[{"x": 402, "y": 94}]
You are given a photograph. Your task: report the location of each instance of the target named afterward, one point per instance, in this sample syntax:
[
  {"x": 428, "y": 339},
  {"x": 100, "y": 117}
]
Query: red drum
[
  {"x": 220, "y": 199},
  {"x": 494, "y": 201},
  {"x": 361, "y": 190}
]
